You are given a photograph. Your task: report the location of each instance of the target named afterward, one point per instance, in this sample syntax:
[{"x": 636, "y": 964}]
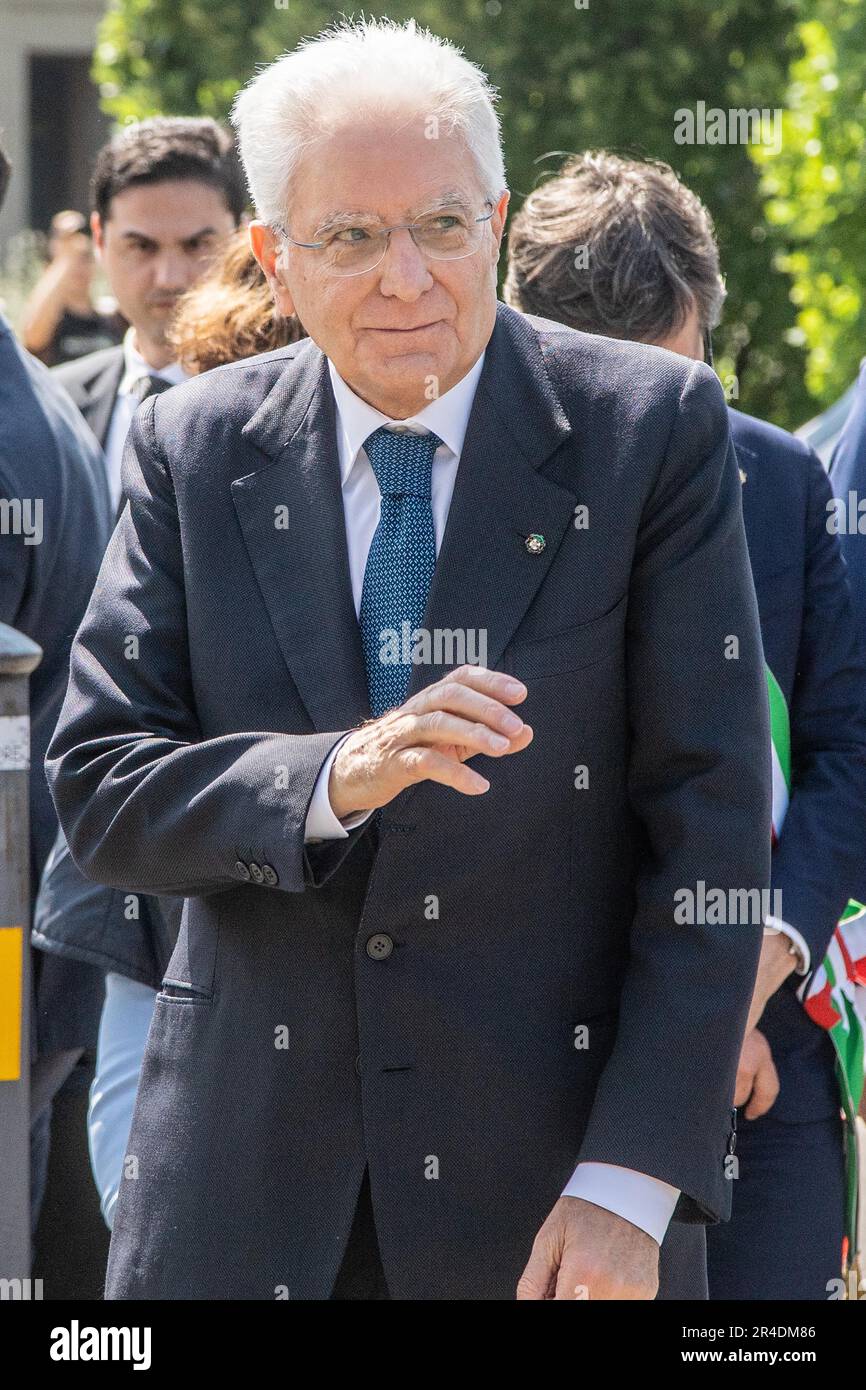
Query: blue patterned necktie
[{"x": 400, "y": 563}]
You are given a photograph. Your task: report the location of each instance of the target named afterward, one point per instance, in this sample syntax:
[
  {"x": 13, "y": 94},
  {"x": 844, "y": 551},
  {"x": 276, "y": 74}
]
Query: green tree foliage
[
  {"x": 573, "y": 74},
  {"x": 815, "y": 190}
]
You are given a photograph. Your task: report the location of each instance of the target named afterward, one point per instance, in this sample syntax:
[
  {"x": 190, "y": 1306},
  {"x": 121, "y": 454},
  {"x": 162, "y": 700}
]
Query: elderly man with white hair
[{"x": 424, "y": 664}]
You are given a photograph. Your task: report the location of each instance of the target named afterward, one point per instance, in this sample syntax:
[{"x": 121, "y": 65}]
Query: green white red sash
[{"x": 833, "y": 994}]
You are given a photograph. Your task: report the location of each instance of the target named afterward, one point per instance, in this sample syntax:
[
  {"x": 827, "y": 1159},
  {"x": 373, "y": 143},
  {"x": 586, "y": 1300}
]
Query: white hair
[{"x": 353, "y": 70}]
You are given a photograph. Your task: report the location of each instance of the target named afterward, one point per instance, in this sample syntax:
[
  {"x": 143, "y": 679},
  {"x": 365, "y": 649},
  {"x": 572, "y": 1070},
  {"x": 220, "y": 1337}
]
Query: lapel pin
[
  {"x": 743, "y": 476},
  {"x": 535, "y": 543}
]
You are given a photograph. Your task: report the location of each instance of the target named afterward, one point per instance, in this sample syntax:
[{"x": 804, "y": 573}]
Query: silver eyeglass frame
[{"x": 385, "y": 234}]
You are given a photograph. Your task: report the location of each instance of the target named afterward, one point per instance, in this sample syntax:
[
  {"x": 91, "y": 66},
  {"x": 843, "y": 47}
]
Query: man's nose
[
  {"x": 405, "y": 272},
  {"x": 171, "y": 272}
]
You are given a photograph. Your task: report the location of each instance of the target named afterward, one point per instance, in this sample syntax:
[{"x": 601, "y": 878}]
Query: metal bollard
[{"x": 18, "y": 657}]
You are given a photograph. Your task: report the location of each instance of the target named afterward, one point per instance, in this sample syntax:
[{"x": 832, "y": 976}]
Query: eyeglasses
[
  {"x": 708, "y": 347},
  {"x": 448, "y": 234}
]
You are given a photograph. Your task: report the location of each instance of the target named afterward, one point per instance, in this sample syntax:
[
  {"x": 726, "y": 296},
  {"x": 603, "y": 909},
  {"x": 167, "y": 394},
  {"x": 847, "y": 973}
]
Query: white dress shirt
[
  {"x": 775, "y": 924},
  {"x": 645, "y": 1201},
  {"x": 125, "y": 406}
]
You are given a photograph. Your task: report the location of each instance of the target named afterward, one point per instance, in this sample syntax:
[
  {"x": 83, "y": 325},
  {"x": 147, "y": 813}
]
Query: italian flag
[{"x": 834, "y": 994}]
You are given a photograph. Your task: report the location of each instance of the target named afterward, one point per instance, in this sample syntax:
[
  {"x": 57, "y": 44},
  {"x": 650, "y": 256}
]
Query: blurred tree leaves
[
  {"x": 815, "y": 191},
  {"x": 613, "y": 74}
]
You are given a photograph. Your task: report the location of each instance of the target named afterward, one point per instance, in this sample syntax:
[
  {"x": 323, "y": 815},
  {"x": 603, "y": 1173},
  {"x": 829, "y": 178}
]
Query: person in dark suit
[
  {"x": 431, "y": 1028},
  {"x": 227, "y": 315},
  {"x": 166, "y": 194},
  {"x": 55, "y": 525},
  {"x": 651, "y": 270},
  {"x": 848, "y": 518}
]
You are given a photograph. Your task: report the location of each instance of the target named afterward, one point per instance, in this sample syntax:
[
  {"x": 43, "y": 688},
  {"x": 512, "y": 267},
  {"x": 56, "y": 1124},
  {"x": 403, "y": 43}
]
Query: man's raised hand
[{"x": 429, "y": 738}]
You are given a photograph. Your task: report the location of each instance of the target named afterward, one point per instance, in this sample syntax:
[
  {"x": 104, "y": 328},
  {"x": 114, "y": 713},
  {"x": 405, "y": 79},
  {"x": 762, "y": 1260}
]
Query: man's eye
[{"x": 350, "y": 235}]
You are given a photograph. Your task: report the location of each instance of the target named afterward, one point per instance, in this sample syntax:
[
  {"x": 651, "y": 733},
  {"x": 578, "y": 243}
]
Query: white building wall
[{"x": 33, "y": 26}]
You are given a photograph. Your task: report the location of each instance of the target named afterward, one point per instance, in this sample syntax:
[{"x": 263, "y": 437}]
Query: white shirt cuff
[
  {"x": 793, "y": 935},
  {"x": 646, "y": 1202},
  {"x": 321, "y": 823}
]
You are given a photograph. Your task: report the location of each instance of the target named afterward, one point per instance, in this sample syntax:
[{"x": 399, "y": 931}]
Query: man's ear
[
  {"x": 497, "y": 221},
  {"x": 265, "y": 248},
  {"x": 96, "y": 232}
]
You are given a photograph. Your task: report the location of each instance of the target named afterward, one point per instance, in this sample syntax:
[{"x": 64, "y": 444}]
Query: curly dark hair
[{"x": 229, "y": 313}]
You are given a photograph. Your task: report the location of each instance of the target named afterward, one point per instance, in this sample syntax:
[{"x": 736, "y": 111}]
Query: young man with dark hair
[
  {"x": 166, "y": 192},
  {"x": 622, "y": 248}
]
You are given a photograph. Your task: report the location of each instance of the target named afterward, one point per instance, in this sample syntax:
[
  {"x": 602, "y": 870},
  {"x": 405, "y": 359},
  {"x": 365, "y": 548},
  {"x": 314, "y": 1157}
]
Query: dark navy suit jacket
[
  {"x": 93, "y": 382},
  {"x": 75, "y": 918},
  {"x": 810, "y": 644},
  {"x": 180, "y": 772},
  {"x": 48, "y": 453}
]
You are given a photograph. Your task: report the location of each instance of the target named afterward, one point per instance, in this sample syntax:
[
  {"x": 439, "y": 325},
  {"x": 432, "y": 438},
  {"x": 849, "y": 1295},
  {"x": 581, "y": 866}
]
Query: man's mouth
[{"x": 418, "y": 328}]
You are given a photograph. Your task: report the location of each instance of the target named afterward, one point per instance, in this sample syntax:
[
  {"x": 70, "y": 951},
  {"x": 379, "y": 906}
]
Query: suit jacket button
[
  {"x": 380, "y": 946},
  {"x": 270, "y": 875},
  {"x": 255, "y": 872},
  {"x": 358, "y": 1064},
  {"x": 242, "y": 871}
]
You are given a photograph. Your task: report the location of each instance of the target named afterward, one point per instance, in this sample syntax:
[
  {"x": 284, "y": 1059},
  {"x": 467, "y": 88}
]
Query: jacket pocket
[{"x": 571, "y": 648}]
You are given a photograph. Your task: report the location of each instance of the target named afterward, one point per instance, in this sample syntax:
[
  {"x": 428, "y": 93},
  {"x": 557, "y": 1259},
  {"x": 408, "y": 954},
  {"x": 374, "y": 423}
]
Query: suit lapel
[
  {"x": 485, "y": 577},
  {"x": 303, "y": 573},
  {"x": 753, "y": 488},
  {"x": 100, "y": 395}
]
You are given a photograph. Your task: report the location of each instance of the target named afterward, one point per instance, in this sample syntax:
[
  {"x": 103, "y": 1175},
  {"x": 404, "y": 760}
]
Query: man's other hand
[
  {"x": 585, "y": 1252},
  {"x": 774, "y": 966},
  {"x": 756, "y": 1076}
]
